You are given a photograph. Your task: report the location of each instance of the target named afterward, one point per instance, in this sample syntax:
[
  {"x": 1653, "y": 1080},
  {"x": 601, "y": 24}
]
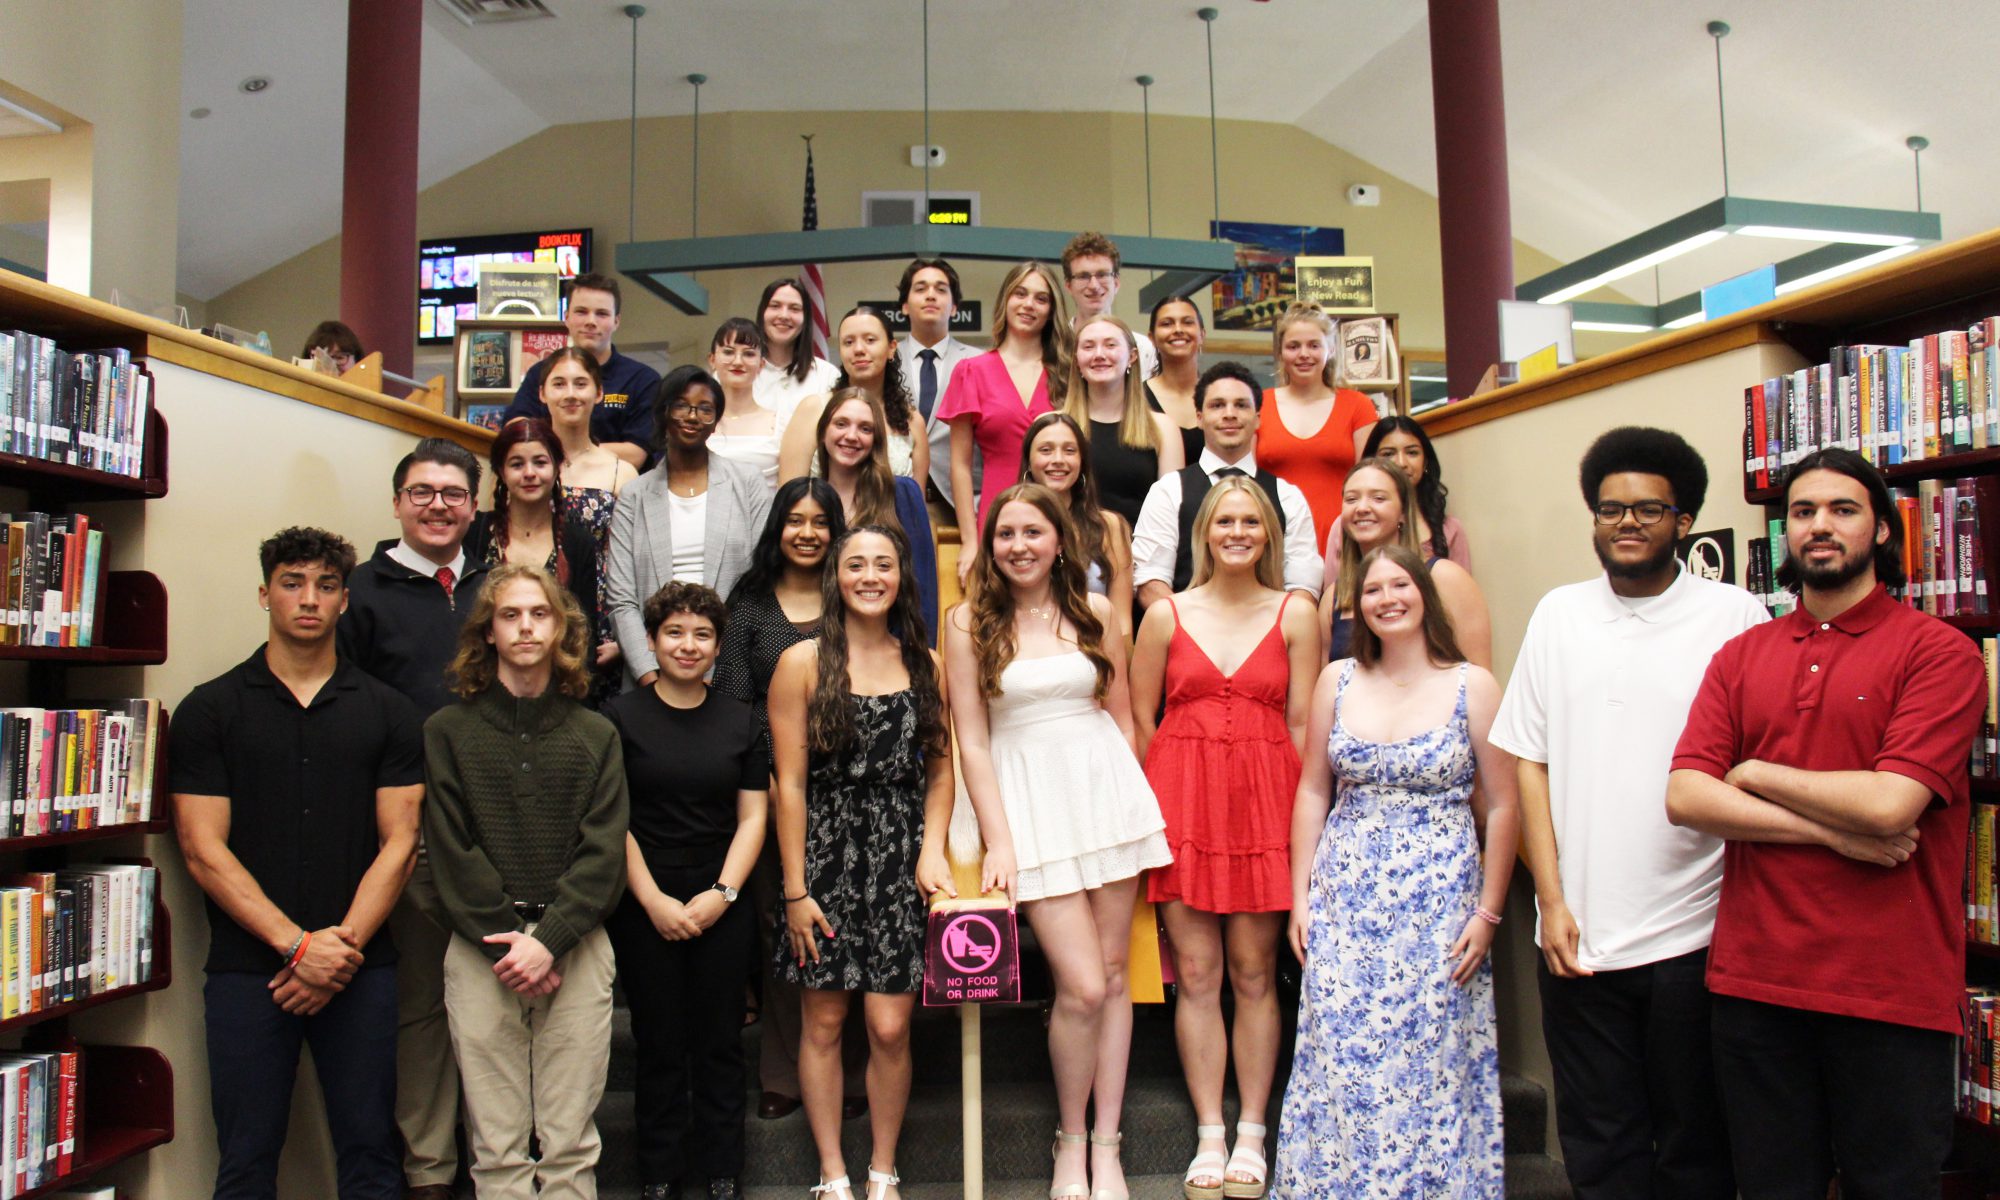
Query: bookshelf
[{"x": 125, "y": 1097}]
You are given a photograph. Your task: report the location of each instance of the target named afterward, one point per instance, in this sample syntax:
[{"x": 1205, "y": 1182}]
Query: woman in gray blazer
[{"x": 695, "y": 517}]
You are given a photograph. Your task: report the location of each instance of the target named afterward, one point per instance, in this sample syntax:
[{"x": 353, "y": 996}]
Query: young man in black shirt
[
  {"x": 297, "y": 779},
  {"x": 405, "y": 606}
]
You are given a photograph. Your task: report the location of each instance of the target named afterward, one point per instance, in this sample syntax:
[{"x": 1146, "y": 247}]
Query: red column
[
  {"x": 378, "y": 195},
  {"x": 1475, "y": 230}
]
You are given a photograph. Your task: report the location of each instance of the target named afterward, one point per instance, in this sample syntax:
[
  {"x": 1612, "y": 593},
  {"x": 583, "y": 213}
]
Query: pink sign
[{"x": 972, "y": 956}]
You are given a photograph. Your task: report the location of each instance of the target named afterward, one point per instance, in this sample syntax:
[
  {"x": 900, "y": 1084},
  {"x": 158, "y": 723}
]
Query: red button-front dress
[{"x": 1224, "y": 769}]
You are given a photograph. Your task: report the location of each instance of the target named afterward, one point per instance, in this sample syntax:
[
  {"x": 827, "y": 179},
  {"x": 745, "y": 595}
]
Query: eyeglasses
[
  {"x": 421, "y": 495},
  {"x": 1094, "y": 276},
  {"x": 1646, "y": 512},
  {"x": 700, "y": 412}
]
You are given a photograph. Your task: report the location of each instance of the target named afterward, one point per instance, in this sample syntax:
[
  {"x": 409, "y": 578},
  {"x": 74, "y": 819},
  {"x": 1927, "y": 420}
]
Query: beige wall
[
  {"x": 1032, "y": 170},
  {"x": 112, "y": 67},
  {"x": 1513, "y": 486}
]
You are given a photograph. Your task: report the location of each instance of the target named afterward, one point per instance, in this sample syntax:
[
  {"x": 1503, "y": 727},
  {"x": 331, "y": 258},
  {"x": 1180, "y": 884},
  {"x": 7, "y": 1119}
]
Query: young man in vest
[
  {"x": 297, "y": 778},
  {"x": 1828, "y": 748},
  {"x": 1625, "y": 902},
  {"x": 1227, "y": 403},
  {"x": 405, "y": 606}
]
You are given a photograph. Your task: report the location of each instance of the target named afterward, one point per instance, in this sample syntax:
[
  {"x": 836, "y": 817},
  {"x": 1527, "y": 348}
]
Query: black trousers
[
  {"x": 1806, "y": 1093},
  {"x": 1635, "y": 1087},
  {"x": 687, "y": 1017}
]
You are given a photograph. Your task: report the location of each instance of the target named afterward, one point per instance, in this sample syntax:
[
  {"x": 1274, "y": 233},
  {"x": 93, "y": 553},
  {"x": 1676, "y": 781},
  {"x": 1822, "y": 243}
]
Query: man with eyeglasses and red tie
[{"x": 405, "y": 605}]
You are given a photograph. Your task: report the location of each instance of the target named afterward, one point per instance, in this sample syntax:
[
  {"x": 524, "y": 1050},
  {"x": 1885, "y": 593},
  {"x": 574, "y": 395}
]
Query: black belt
[{"x": 529, "y": 913}]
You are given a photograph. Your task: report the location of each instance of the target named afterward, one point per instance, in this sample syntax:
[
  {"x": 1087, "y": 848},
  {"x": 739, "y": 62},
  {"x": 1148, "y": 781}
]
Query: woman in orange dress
[{"x": 1312, "y": 432}]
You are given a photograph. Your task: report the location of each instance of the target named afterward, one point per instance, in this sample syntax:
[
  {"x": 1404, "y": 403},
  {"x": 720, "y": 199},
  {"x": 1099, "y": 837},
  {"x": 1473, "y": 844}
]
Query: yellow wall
[{"x": 1032, "y": 170}]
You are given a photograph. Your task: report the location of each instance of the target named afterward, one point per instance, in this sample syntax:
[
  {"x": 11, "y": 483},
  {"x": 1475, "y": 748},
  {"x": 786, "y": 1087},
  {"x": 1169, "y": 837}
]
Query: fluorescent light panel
[
  {"x": 1848, "y": 267},
  {"x": 1638, "y": 264},
  {"x": 29, "y": 115},
  {"x": 1611, "y": 327},
  {"x": 1684, "y": 322},
  {"x": 1825, "y": 235}
]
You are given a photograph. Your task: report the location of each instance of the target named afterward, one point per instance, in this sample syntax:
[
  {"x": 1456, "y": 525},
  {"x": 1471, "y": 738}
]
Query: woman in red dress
[
  {"x": 1236, "y": 660},
  {"x": 1312, "y": 432}
]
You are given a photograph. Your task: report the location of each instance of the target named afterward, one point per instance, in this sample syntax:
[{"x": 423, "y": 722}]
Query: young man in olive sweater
[{"x": 526, "y": 828}]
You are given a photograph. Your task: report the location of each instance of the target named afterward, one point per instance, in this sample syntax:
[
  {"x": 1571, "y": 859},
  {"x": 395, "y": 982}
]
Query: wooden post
[{"x": 969, "y": 1100}]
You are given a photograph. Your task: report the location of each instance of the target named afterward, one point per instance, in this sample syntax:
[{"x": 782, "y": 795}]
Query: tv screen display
[{"x": 448, "y": 272}]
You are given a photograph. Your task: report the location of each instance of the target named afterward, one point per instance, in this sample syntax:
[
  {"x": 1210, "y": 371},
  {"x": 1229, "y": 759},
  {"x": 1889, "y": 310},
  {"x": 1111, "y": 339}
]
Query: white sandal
[
  {"x": 1113, "y": 1140},
  {"x": 879, "y": 1183},
  {"x": 1068, "y": 1191},
  {"x": 834, "y": 1189},
  {"x": 1206, "y": 1164},
  {"x": 1253, "y": 1163}
]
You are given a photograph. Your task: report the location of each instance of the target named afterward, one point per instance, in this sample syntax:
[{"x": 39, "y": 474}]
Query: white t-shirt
[
  {"x": 1600, "y": 693},
  {"x": 690, "y": 533},
  {"x": 779, "y": 392}
]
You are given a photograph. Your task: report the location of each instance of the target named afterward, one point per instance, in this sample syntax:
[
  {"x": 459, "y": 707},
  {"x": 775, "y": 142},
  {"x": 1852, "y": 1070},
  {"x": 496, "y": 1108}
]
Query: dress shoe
[
  {"x": 724, "y": 1189},
  {"x": 660, "y": 1191},
  {"x": 772, "y": 1105},
  {"x": 429, "y": 1191},
  {"x": 853, "y": 1107}
]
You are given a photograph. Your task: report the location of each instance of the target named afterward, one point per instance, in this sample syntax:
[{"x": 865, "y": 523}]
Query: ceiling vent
[{"x": 495, "y": 12}]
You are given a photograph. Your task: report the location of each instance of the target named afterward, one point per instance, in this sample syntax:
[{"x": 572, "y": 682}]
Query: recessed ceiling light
[
  {"x": 254, "y": 84},
  {"x": 197, "y": 113}
]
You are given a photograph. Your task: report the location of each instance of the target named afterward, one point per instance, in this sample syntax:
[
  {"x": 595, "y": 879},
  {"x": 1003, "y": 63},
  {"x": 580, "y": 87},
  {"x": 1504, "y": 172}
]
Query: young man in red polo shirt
[{"x": 1829, "y": 748}]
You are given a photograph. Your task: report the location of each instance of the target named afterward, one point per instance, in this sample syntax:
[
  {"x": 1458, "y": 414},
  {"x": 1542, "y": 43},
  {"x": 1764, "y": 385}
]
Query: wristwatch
[{"x": 728, "y": 893}]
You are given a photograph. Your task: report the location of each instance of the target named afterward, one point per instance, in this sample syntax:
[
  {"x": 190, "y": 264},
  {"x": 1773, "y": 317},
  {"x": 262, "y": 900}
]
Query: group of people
[{"x": 690, "y": 664}]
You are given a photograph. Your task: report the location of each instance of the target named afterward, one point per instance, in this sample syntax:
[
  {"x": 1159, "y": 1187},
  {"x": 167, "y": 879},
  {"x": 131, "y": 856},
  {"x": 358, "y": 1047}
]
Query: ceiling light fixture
[{"x": 254, "y": 85}]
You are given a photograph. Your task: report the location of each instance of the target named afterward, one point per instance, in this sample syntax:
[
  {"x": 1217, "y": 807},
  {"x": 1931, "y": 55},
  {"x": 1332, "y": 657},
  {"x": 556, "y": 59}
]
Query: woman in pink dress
[{"x": 993, "y": 397}]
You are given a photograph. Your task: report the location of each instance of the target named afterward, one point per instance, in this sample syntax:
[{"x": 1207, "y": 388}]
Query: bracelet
[
  {"x": 796, "y": 899},
  {"x": 299, "y": 951},
  {"x": 1488, "y": 917},
  {"x": 298, "y": 943}
]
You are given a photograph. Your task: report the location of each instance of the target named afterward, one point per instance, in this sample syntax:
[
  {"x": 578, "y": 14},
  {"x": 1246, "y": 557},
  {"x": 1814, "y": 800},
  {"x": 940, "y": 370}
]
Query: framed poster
[
  {"x": 1253, "y": 295},
  {"x": 519, "y": 289},
  {"x": 1368, "y": 356},
  {"x": 1340, "y": 286}
]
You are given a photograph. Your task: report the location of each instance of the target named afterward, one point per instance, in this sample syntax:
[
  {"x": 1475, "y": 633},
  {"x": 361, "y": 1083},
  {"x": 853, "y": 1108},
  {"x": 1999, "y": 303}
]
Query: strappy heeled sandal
[
  {"x": 1253, "y": 1163},
  {"x": 1108, "y": 1139},
  {"x": 834, "y": 1189},
  {"x": 1068, "y": 1191},
  {"x": 1207, "y": 1164},
  {"x": 879, "y": 1183}
]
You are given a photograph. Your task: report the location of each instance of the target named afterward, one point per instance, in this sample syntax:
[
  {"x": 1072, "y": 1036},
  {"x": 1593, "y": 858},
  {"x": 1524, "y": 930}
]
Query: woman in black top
[
  {"x": 1130, "y": 445},
  {"x": 699, "y": 778},
  {"x": 1178, "y": 334}
]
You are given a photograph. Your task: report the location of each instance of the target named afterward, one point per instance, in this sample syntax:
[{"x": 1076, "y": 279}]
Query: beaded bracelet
[{"x": 1488, "y": 917}]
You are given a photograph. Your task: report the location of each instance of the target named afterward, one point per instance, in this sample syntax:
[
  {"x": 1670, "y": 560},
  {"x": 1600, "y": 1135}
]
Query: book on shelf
[
  {"x": 1760, "y": 573},
  {"x": 1944, "y": 552},
  {"x": 55, "y": 575},
  {"x": 1937, "y": 396},
  {"x": 64, "y": 770},
  {"x": 39, "y": 1117},
  {"x": 83, "y": 408},
  {"x": 74, "y": 933}
]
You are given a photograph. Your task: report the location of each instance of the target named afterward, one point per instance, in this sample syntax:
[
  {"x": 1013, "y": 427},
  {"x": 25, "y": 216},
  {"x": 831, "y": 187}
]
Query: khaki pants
[
  {"x": 532, "y": 1067},
  {"x": 426, "y": 1076}
]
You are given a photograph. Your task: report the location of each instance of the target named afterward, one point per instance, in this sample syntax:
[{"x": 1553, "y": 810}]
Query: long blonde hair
[
  {"x": 1135, "y": 424},
  {"x": 875, "y": 486},
  {"x": 476, "y": 665},
  {"x": 1308, "y": 314},
  {"x": 1270, "y": 563},
  {"x": 1055, "y": 334},
  {"x": 1406, "y": 529}
]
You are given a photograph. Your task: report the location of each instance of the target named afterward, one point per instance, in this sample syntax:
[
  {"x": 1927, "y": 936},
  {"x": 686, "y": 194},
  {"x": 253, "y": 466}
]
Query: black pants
[
  {"x": 1635, "y": 1086},
  {"x": 253, "y": 1059},
  {"x": 687, "y": 1017},
  {"x": 1807, "y": 1092}
]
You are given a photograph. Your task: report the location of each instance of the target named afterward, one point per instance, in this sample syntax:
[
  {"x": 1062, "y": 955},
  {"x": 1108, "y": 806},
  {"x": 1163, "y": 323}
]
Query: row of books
[
  {"x": 1762, "y": 557},
  {"x": 1944, "y": 556},
  {"x": 55, "y": 565},
  {"x": 71, "y": 934},
  {"x": 63, "y": 770},
  {"x": 1937, "y": 396},
  {"x": 39, "y": 1094},
  {"x": 1986, "y": 765},
  {"x": 86, "y": 408}
]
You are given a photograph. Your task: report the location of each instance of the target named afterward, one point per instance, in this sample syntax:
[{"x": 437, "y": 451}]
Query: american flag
[{"x": 815, "y": 284}]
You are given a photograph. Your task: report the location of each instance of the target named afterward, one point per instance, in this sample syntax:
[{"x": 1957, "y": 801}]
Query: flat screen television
[{"x": 448, "y": 272}]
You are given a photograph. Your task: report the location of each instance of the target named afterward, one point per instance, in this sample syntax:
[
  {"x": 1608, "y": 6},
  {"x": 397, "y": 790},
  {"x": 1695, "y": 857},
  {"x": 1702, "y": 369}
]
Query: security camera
[
  {"x": 1364, "y": 195},
  {"x": 934, "y": 155}
]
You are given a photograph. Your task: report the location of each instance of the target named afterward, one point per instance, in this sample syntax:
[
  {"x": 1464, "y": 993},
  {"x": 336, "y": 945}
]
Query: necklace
[{"x": 1043, "y": 613}]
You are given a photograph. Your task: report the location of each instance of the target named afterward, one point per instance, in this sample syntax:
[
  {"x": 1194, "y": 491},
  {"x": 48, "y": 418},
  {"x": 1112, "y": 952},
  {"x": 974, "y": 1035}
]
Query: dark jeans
[
  {"x": 253, "y": 1061},
  {"x": 1635, "y": 1084},
  {"x": 1807, "y": 1092},
  {"x": 687, "y": 1018}
]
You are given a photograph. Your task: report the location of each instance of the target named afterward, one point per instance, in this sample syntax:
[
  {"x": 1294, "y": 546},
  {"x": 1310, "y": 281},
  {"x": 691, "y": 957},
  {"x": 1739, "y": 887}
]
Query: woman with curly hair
[
  {"x": 1045, "y": 727},
  {"x": 1054, "y": 455},
  {"x": 524, "y": 816},
  {"x": 864, "y": 789},
  {"x": 869, "y": 362}
]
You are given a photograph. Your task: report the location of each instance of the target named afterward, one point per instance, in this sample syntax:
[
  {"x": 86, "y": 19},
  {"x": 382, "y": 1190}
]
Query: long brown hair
[
  {"x": 896, "y": 402},
  {"x": 475, "y": 666},
  {"x": 1406, "y": 529},
  {"x": 875, "y": 486},
  {"x": 830, "y": 712},
  {"x": 1270, "y": 568},
  {"x": 1135, "y": 424},
  {"x": 1086, "y": 512},
  {"x": 536, "y": 431},
  {"x": 803, "y": 353},
  {"x": 992, "y": 599},
  {"x": 1440, "y": 640},
  {"x": 1055, "y": 334}
]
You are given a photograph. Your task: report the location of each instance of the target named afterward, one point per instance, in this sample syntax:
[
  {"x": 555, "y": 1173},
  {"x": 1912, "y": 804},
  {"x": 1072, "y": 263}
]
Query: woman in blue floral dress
[{"x": 1395, "y": 1086}]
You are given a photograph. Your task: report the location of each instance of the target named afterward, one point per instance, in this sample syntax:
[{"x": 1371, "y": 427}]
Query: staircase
[{"x": 1020, "y": 1113}]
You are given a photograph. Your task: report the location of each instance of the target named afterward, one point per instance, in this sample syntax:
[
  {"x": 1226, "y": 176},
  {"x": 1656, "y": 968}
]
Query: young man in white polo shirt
[{"x": 1626, "y": 902}]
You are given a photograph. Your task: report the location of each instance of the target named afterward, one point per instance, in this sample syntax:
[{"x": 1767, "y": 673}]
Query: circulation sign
[{"x": 972, "y": 955}]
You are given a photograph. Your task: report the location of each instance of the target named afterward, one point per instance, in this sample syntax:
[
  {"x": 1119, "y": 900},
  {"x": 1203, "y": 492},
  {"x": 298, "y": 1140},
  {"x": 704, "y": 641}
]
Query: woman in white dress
[
  {"x": 748, "y": 432},
  {"x": 792, "y": 369},
  {"x": 1039, "y": 700},
  {"x": 868, "y": 360}
]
